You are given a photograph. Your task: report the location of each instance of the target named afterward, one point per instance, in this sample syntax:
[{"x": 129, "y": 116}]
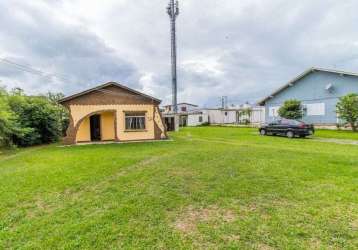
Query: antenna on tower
[{"x": 173, "y": 12}]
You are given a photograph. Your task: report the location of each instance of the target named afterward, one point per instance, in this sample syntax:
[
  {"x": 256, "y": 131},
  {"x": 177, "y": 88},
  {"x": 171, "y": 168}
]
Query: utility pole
[
  {"x": 224, "y": 102},
  {"x": 173, "y": 12}
]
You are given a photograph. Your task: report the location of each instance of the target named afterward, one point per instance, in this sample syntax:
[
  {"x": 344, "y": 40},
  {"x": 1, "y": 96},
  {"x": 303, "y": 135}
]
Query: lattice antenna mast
[{"x": 173, "y": 12}]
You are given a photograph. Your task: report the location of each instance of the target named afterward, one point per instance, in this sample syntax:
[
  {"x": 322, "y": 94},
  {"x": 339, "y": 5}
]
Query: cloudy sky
[{"x": 240, "y": 49}]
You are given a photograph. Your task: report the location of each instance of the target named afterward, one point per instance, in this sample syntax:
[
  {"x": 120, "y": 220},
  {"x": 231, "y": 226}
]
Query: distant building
[
  {"x": 183, "y": 108},
  {"x": 236, "y": 115},
  {"x": 197, "y": 118},
  {"x": 318, "y": 90},
  {"x": 183, "y": 111}
]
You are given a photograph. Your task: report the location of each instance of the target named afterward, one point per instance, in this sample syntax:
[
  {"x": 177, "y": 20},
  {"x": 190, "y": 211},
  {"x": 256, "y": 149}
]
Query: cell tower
[{"x": 173, "y": 12}]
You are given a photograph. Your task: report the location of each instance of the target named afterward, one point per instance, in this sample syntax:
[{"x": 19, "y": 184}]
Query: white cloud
[
  {"x": 207, "y": 66},
  {"x": 243, "y": 49}
]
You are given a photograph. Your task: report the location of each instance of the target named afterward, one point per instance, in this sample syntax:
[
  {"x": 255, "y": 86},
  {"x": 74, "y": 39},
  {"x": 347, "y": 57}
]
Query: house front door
[{"x": 95, "y": 123}]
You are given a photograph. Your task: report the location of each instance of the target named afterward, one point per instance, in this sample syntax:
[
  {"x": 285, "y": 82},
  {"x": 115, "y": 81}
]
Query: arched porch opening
[{"x": 97, "y": 126}]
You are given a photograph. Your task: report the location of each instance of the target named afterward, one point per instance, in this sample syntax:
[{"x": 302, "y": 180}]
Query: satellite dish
[{"x": 329, "y": 87}]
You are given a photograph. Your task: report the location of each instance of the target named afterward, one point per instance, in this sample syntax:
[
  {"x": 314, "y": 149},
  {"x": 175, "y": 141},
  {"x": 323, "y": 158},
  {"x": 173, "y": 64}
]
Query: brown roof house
[{"x": 113, "y": 112}]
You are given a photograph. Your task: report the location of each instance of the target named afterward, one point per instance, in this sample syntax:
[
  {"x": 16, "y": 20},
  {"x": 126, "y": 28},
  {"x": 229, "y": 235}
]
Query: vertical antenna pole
[{"x": 173, "y": 12}]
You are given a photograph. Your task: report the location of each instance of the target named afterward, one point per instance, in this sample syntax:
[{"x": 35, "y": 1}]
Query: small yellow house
[{"x": 113, "y": 112}]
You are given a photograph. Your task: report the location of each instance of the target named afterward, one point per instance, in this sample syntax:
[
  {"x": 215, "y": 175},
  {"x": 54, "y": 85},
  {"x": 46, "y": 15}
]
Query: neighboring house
[
  {"x": 182, "y": 115},
  {"x": 318, "y": 90},
  {"x": 191, "y": 115},
  {"x": 197, "y": 118},
  {"x": 113, "y": 112},
  {"x": 182, "y": 108},
  {"x": 235, "y": 115}
]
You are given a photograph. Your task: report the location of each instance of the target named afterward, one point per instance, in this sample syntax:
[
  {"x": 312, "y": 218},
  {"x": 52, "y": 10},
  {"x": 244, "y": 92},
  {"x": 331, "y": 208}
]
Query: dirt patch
[
  {"x": 354, "y": 224},
  {"x": 232, "y": 238},
  {"x": 264, "y": 247},
  {"x": 315, "y": 244},
  {"x": 191, "y": 217}
]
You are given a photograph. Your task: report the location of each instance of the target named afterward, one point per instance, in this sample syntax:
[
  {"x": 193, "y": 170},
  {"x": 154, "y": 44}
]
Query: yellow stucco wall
[
  {"x": 84, "y": 133},
  {"x": 107, "y": 126},
  {"x": 80, "y": 111}
]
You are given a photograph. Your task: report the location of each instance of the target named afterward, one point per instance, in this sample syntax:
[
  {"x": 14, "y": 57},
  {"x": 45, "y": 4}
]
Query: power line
[{"x": 32, "y": 70}]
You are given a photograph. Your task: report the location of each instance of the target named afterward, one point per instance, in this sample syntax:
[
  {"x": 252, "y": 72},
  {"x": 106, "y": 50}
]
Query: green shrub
[
  {"x": 9, "y": 126},
  {"x": 30, "y": 120},
  {"x": 347, "y": 109},
  {"x": 291, "y": 109}
]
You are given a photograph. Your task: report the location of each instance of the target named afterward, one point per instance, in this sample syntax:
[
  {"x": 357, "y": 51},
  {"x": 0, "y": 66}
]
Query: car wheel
[
  {"x": 290, "y": 134},
  {"x": 262, "y": 132}
]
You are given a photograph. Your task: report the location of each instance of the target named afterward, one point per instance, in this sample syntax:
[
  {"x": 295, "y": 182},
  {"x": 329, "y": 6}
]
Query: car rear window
[{"x": 291, "y": 122}]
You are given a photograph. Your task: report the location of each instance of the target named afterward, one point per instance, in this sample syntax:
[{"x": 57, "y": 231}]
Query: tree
[
  {"x": 65, "y": 116},
  {"x": 347, "y": 109},
  {"x": 9, "y": 126},
  {"x": 29, "y": 120},
  {"x": 39, "y": 115},
  {"x": 5, "y": 120},
  {"x": 291, "y": 109}
]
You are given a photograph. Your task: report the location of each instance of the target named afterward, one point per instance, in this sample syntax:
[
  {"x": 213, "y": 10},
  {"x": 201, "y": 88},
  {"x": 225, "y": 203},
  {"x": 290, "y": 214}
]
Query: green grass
[
  {"x": 209, "y": 188},
  {"x": 340, "y": 134}
]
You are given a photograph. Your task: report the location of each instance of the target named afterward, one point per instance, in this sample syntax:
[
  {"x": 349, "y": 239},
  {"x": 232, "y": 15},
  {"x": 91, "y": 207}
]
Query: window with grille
[{"x": 135, "y": 121}]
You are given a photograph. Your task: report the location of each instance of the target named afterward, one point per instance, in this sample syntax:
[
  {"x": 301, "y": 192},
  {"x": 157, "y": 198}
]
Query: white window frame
[
  {"x": 315, "y": 109},
  {"x": 135, "y": 122}
]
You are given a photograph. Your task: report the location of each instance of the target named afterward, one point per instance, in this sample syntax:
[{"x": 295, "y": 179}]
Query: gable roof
[
  {"x": 304, "y": 74},
  {"x": 102, "y": 86}
]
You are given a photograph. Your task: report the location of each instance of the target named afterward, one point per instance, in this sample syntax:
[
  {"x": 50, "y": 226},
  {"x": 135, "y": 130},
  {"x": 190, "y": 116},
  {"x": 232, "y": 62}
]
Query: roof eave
[{"x": 71, "y": 97}]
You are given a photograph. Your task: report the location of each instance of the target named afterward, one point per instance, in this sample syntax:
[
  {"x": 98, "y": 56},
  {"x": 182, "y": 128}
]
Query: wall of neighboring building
[
  {"x": 219, "y": 116},
  {"x": 182, "y": 108},
  {"x": 230, "y": 116},
  {"x": 197, "y": 119},
  {"x": 319, "y": 103},
  {"x": 257, "y": 115}
]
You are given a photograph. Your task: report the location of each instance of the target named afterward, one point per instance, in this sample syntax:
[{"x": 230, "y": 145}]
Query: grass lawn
[
  {"x": 340, "y": 134},
  {"x": 209, "y": 188}
]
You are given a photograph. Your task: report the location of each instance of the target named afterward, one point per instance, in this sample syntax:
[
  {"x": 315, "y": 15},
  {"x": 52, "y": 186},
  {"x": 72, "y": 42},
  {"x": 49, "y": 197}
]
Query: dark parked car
[{"x": 289, "y": 128}]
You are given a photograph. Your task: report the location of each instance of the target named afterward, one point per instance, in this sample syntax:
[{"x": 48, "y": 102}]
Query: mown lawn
[
  {"x": 340, "y": 134},
  {"x": 208, "y": 188}
]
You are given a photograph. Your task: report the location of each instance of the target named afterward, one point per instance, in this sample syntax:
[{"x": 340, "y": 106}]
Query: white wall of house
[
  {"x": 257, "y": 115},
  {"x": 182, "y": 108},
  {"x": 230, "y": 116},
  {"x": 197, "y": 119}
]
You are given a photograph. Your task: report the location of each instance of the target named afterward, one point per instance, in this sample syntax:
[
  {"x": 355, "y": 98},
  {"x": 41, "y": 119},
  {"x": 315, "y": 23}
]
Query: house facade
[
  {"x": 113, "y": 112},
  {"x": 318, "y": 90}
]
